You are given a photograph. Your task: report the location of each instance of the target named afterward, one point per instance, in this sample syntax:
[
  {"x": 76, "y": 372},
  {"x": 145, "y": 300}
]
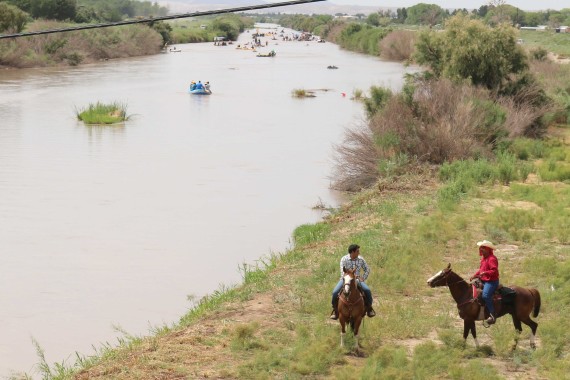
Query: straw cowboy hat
[{"x": 486, "y": 243}]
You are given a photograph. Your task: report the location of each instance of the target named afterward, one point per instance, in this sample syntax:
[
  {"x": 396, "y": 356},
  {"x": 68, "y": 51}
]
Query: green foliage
[
  {"x": 116, "y": 10},
  {"x": 524, "y": 148},
  {"x": 310, "y": 233},
  {"x": 51, "y": 47},
  {"x": 25, "y": 5},
  {"x": 425, "y": 14},
  {"x": 362, "y": 38},
  {"x": 539, "y": 53},
  {"x": 305, "y": 23},
  {"x": 373, "y": 19},
  {"x": 378, "y": 98},
  {"x": 229, "y": 26},
  {"x": 12, "y": 18},
  {"x": 469, "y": 50},
  {"x": 54, "y": 9},
  {"x": 164, "y": 30},
  {"x": 100, "y": 113}
]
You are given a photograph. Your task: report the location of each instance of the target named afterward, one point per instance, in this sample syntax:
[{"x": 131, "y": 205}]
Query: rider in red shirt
[{"x": 489, "y": 274}]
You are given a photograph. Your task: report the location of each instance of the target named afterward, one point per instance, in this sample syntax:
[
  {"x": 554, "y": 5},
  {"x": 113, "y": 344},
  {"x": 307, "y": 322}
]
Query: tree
[
  {"x": 373, "y": 19},
  {"x": 470, "y": 50},
  {"x": 401, "y": 15},
  {"x": 533, "y": 19},
  {"x": 25, "y": 5},
  {"x": 12, "y": 18},
  {"x": 425, "y": 14},
  {"x": 54, "y": 9},
  {"x": 482, "y": 11}
]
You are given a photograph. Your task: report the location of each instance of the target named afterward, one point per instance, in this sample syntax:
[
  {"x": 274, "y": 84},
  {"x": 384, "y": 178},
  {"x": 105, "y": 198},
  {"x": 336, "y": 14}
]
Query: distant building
[
  {"x": 563, "y": 29},
  {"x": 539, "y": 28}
]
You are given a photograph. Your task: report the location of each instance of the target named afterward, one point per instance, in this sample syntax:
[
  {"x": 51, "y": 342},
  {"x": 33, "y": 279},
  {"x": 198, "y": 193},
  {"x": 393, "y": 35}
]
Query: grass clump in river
[
  {"x": 99, "y": 113},
  {"x": 302, "y": 93}
]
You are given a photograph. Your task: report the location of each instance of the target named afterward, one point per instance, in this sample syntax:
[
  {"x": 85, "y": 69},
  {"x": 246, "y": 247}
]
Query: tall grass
[{"x": 100, "y": 113}]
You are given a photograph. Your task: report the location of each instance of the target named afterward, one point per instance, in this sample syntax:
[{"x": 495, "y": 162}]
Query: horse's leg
[
  {"x": 518, "y": 328},
  {"x": 357, "y": 323},
  {"x": 342, "y": 331},
  {"x": 467, "y": 327},
  {"x": 533, "y": 326}
]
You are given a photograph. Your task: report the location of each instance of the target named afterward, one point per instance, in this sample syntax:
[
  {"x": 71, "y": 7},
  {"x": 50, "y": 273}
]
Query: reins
[{"x": 470, "y": 300}]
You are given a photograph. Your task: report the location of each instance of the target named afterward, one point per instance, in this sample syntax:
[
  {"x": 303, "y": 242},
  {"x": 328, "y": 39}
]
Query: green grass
[
  {"x": 417, "y": 333},
  {"x": 558, "y": 43},
  {"x": 99, "y": 113}
]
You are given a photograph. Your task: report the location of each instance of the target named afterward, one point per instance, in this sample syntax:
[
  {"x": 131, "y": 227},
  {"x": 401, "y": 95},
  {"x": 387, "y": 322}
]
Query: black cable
[{"x": 161, "y": 18}]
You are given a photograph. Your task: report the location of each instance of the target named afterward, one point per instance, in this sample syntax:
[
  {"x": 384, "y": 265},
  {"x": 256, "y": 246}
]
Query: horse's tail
[{"x": 536, "y": 297}]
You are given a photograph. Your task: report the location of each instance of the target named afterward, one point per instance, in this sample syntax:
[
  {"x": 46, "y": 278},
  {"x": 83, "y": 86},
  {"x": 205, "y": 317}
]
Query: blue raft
[{"x": 200, "y": 91}]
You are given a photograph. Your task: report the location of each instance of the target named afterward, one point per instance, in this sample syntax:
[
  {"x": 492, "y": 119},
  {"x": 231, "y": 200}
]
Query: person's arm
[
  {"x": 493, "y": 267},
  {"x": 341, "y": 266},
  {"x": 366, "y": 270}
]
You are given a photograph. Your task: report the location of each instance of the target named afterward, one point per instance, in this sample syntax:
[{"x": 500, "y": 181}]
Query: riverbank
[{"x": 276, "y": 324}]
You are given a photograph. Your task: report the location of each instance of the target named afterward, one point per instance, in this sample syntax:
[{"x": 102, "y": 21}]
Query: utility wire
[{"x": 161, "y": 18}]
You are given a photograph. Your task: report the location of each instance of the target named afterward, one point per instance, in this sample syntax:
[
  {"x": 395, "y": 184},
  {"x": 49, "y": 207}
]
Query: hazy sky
[{"x": 470, "y": 4}]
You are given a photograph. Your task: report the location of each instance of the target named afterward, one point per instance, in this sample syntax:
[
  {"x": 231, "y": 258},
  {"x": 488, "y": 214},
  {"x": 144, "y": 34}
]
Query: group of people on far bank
[{"x": 488, "y": 273}]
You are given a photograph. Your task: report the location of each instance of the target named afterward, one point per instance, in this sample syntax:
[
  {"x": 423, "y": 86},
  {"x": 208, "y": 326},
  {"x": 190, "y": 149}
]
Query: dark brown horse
[
  {"x": 351, "y": 308},
  {"x": 527, "y": 301}
]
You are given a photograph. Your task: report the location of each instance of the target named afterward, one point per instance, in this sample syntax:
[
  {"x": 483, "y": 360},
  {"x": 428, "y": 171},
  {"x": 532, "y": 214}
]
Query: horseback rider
[
  {"x": 489, "y": 274},
  {"x": 353, "y": 261}
]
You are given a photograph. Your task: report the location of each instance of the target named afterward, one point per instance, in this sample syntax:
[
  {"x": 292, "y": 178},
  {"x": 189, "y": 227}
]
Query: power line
[{"x": 161, "y": 18}]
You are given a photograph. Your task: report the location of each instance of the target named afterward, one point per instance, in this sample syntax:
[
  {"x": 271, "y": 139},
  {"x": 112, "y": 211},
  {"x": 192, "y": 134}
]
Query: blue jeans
[
  {"x": 489, "y": 288},
  {"x": 338, "y": 287}
]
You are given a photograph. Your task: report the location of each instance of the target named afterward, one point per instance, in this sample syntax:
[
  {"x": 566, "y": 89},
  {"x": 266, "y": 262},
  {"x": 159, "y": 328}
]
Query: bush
[
  {"x": 539, "y": 54},
  {"x": 398, "y": 45}
]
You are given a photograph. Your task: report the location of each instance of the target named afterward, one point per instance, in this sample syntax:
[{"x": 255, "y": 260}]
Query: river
[{"x": 107, "y": 228}]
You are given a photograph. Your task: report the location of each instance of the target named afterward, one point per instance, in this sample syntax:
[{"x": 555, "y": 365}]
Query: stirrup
[
  {"x": 370, "y": 313},
  {"x": 334, "y": 315},
  {"x": 489, "y": 321}
]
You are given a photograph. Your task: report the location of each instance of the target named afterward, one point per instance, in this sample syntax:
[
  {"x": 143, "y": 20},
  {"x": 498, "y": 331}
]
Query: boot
[
  {"x": 334, "y": 314},
  {"x": 491, "y": 320},
  {"x": 370, "y": 312}
]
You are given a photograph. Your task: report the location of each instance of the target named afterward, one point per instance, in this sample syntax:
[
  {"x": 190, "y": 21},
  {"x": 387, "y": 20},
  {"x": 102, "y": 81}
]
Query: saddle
[
  {"x": 503, "y": 294},
  {"x": 361, "y": 294}
]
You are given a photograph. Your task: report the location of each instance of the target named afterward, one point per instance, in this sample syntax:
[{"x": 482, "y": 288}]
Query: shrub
[
  {"x": 398, "y": 45},
  {"x": 539, "y": 54}
]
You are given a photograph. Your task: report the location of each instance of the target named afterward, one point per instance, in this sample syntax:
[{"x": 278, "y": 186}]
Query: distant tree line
[
  {"x": 494, "y": 13},
  {"x": 15, "y": 14}
]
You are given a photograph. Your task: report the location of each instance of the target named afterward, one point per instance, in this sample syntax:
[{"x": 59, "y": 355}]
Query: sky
[{"x": 470, "y": 4}]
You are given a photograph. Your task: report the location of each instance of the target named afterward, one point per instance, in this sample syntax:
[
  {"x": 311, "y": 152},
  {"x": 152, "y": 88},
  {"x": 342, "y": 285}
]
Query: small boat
[
  {"x": 200, "y": 91},
  {"x": 272, "y": 53},
  {"x": 332, "y": 67}
]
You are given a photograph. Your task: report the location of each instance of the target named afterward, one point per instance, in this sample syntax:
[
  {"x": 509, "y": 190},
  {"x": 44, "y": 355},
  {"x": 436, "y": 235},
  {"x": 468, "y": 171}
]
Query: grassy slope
[{"x": 276, "y": 326}]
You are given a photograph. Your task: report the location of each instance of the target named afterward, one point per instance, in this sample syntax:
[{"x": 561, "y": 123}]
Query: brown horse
[
  {"x": 527, "y": 300},
  {"x": 351, "y": 307}
]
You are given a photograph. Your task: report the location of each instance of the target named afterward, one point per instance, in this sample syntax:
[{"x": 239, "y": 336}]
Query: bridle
[{"x": 447, "y": 283}]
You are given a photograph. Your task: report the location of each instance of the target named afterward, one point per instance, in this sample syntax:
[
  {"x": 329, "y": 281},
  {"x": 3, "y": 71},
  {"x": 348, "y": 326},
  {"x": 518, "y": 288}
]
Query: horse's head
[
  {"x": 440, "y": 278},
  {"x": 348, "y": 279}
]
